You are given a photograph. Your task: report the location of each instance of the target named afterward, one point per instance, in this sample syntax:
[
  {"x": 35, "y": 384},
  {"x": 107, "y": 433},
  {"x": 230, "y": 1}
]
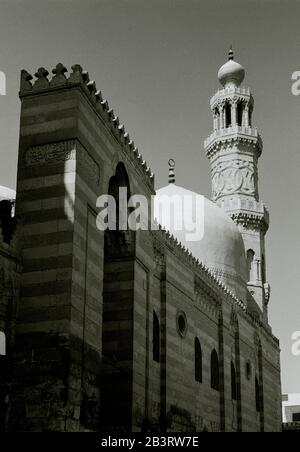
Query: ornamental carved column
[{"x": 234, "y": 112}]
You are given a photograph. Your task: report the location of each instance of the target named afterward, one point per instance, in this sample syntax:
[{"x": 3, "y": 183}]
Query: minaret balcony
[
  {"x": 237, "y": 133},
  {"x": 229, "y": 93},
  {"x": 247, "y": 212}
]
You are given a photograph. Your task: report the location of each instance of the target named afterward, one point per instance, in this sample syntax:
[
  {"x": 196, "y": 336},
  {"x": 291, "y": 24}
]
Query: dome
[
  {"x": 221, "y": 246},
  {"x": 231, "y": 73},
  {"x": 7, "y": 193}
]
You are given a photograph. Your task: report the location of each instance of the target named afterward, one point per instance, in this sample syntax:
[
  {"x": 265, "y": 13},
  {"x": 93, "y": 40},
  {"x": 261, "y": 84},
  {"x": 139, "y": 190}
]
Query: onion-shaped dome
[{"x": 231, "y": 73}]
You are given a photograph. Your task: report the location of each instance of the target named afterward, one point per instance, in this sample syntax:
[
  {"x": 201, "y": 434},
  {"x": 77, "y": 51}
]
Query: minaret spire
[
  {"x": 171, "y": 163},
  {"x": 231, "y": 53}
]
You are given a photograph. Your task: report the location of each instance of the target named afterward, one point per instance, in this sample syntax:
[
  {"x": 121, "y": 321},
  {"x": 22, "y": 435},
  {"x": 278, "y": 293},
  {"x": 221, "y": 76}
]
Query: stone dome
[
  {"x": 231, "y": 73},
  {"x": 221, "y": 247}
]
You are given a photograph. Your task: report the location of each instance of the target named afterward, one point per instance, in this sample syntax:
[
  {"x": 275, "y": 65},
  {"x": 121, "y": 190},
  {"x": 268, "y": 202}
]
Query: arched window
[
  {"x": 257, "y": 395},
  {"x": 233, "y": 382},
  {"x": 250, "y": 264},
  {"x": 240, "y": 114},
  {"x": 2, "y": 343},
  {"x": 156, "y": 338},
  {"x": 215, "y": 371},
  {"x": 198, "y": 361},
  {"x": 227, "y": 115}
]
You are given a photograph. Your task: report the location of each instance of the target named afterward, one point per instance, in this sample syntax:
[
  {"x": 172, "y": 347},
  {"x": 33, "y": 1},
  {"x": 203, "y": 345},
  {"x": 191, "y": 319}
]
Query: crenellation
[
  {"x": 25, "y": 84},
  {"x": 59, "y": 75},
  {"x": 41, "y": 81},
  {"x": 85, "y": 77},
  {"x": 105, "y": 105},
  {"x": 76, "y": 75},
  {"x": 116, "y": 121},
  {"x": 79, "y": 77},
  {"x": 92, "y": 87}
]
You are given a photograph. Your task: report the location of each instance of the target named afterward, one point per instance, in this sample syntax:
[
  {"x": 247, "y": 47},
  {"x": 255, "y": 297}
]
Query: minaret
[{"x": 233, "y": 150}]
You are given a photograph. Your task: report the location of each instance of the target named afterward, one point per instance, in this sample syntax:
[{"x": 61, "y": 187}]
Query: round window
[{"x": 181, "y": 324}]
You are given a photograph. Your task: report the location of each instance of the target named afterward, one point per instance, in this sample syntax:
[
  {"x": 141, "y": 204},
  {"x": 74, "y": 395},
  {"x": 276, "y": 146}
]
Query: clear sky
[{"x": 156, "y": 62}]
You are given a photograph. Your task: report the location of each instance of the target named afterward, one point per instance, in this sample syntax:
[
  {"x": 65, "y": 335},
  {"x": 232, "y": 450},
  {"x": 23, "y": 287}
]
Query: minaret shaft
[{"x": 233, "y": 150}]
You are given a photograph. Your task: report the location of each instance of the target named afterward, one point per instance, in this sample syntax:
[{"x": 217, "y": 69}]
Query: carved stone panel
[
  {"x": 231, "y": 177},
  {"x": 62, "y": 151}
]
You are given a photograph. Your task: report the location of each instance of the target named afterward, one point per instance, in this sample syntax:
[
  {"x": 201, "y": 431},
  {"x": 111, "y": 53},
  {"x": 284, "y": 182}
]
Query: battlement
[{"x": 80, "y": 78}]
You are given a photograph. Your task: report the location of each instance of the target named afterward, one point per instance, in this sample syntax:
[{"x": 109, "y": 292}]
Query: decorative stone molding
[
  {"x": 60, "y": 152},
  {"x": 252, "y": 221},
  {"x": 236, "y": 203},
  {"x": 246, "y": 136},
  {"x": 237, "y": 176},
  {"x": 50, "y": 153},
  {"x": 223, "y": 274}
]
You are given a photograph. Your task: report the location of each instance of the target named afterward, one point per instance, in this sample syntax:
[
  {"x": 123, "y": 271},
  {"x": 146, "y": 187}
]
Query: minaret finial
[
  {"x": 171, "y": 163},
  {"x": 230, "y": 54}
]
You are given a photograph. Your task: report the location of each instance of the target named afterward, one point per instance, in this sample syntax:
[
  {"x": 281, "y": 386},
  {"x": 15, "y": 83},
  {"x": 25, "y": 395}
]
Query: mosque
[{"x": 122, "y": 330}]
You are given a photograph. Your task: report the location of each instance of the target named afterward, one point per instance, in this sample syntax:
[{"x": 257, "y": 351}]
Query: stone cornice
[
  {"x": 251, "y": 220},
  {"x": 236, "y": 134}
]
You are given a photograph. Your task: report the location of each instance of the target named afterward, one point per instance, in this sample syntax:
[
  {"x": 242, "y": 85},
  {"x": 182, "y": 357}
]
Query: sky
[{"x": 156, "y": 62}]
